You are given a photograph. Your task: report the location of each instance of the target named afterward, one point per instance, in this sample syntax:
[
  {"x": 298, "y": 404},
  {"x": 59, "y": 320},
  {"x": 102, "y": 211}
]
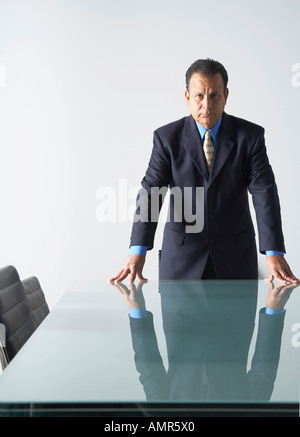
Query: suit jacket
[{"x": 240, "y": 166}]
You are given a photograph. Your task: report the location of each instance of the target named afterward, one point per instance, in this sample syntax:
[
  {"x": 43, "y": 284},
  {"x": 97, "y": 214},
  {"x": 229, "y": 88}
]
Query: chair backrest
[
  {"x": 15, "y": 311},
  {"x": 36, "y": 299}
]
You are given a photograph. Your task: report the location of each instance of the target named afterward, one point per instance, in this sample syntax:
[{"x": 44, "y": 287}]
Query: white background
[{"x": 83, "y": 85}]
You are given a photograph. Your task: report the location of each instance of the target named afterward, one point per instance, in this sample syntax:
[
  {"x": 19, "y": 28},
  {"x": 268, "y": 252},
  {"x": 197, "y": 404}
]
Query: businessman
[{"x": 225, "y": 157}]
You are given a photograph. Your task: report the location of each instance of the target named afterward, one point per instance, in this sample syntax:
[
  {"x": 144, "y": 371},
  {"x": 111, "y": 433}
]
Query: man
[{"x": 226, "y": 156}]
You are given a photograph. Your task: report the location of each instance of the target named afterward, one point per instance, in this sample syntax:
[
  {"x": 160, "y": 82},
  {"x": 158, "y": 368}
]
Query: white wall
[{"x": 83, "y": 84}]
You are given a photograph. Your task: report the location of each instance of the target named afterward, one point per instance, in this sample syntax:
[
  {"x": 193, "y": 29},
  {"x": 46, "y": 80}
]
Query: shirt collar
[{"x": 214, "y": 131}]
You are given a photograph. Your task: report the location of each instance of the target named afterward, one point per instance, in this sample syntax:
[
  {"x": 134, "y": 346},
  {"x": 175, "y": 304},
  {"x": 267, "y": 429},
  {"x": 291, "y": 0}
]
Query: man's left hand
[{"x": 279, "y": 269}]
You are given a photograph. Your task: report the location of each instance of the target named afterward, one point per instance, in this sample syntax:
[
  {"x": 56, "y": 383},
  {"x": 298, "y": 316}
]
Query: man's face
[{"x": 206, "y": 99}]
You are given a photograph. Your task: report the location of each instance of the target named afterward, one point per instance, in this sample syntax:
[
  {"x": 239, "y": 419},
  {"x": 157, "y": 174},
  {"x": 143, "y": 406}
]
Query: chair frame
[{"x": 4, "y": 360}]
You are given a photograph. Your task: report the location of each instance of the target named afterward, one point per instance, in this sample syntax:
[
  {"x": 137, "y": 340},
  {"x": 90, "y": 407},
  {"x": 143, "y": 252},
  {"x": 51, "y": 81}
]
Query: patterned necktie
[{"x": 208, "y": 149}]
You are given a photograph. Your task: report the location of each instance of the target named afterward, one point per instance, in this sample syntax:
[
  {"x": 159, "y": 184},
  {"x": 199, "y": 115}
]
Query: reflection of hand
[
  {"x": 133, "y": 296},
  {"x": 278, "y": 296},
  {"x": 279, "y": 269}
]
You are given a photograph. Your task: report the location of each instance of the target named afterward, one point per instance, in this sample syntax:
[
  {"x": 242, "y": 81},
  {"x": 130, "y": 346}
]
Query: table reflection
[{"x": 208, "y": 328}]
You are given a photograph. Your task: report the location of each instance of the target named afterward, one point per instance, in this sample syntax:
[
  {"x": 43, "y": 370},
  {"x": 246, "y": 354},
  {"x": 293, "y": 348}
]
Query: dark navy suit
[{"x": 240, "y": 166}]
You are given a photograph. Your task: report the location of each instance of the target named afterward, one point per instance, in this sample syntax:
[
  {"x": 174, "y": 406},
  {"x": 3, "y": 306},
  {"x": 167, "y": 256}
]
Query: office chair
[
  {"x": 20, "y": 312},
  {"x": 36, "y": 299},
  {"x": 15, "y": 312}
]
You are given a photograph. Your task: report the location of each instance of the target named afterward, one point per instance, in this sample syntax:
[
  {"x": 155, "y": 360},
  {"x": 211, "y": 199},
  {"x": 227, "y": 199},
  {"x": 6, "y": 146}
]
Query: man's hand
[
  {"x": 133, "y": 267},
  {"x": 279, "y": 269}
]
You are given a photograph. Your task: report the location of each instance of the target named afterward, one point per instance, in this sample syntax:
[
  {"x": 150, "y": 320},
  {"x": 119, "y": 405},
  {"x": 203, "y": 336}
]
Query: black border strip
[{"x": 151, "y": 409}]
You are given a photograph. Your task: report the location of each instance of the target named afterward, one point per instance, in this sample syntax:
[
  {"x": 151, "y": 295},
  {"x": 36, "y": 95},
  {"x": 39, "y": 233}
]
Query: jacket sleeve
[
  {"x": 151, "y": 195},
  {"x": 147, "y": 358},
  {"x": 263, "y": 189},
  {"x": 266, "y": 356}
]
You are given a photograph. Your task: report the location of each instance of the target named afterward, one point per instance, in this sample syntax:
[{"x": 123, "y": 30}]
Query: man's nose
[{"x": 206, "y": 102}]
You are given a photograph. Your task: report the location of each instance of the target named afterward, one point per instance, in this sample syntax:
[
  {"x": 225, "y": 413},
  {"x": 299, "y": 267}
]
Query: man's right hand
[{"x": 133, "y": 267}]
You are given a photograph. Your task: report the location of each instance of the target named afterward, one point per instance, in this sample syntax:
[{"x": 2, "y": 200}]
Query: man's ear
[
  {"x": 226, "y": 95},
  {"x": 187, "y": 96}
]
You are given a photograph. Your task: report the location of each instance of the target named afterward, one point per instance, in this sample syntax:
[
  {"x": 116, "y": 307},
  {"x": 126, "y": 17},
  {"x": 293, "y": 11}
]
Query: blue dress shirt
[{"x": 214, "y": 131}]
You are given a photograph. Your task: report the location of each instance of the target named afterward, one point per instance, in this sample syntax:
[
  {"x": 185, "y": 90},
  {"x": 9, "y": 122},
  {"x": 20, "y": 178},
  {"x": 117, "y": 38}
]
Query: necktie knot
[{"x": 207, "y": 135}]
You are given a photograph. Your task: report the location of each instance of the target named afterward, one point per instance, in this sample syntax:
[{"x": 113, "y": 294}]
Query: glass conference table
[{"x": 193, "y": 348}]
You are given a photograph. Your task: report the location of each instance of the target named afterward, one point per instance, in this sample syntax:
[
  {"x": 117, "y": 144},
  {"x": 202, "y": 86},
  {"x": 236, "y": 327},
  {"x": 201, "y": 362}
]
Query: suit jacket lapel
[
  {"x": 225, "y": 143},
  {"x": 193, "y": 146}
]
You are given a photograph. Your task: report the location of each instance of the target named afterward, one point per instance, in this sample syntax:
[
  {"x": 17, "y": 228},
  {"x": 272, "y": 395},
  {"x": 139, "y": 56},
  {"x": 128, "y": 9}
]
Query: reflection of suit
[
  {"x": 240, "y": 164},
  {"x": 208, "y": 331}
]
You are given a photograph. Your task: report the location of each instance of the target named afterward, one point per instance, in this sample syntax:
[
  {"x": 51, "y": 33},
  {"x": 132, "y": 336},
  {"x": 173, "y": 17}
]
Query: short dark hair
[{"x": 206, "y": 67}]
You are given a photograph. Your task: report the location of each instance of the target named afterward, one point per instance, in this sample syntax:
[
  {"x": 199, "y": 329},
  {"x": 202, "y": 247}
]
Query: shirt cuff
[
  {"x": 138, "y": 250},
  {"x": 274, "y": 252},
  {"x": 270, "y": 311},
  {"x": 139, "y": 313}
]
